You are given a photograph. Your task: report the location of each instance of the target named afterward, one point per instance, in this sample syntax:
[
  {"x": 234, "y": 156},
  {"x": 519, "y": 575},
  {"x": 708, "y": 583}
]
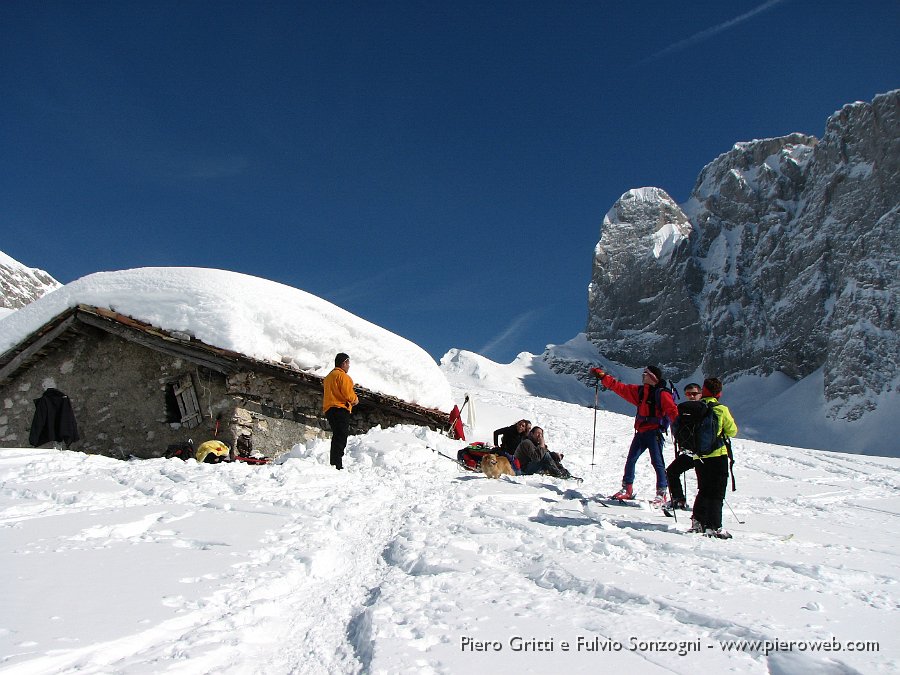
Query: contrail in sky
[
  {"x": 709, "y": 32},
  {"x": 368, "y": 285},
  {"x": 512, "y": 328}
]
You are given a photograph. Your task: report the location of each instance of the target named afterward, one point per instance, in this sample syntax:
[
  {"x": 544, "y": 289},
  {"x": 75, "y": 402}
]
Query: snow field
[{"x": 403, "y": 563}]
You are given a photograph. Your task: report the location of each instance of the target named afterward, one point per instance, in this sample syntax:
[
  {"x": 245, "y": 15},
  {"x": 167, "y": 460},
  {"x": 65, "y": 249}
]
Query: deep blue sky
[{"x": 438, "y": 168}]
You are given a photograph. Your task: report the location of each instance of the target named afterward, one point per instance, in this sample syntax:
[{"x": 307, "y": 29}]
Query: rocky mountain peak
[{"x": 785, "y": 258}]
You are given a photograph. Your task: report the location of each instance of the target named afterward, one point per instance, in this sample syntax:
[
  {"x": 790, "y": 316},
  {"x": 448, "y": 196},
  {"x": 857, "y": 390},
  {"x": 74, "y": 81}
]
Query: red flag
[{"x": 456, "y": 425}]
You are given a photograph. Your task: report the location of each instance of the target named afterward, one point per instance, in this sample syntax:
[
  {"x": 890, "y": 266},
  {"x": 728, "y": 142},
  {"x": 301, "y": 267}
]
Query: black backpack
[
  {"x": 183, "y": 451},
  {"x": 697, "y": 428}
]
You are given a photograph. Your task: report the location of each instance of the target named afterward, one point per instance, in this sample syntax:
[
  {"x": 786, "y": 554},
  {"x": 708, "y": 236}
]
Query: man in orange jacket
[{"x": 338, "y": 403}]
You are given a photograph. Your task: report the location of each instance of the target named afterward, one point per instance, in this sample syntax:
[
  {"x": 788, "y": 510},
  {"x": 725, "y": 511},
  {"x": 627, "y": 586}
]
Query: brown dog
[{"x": 495, "y": 466}]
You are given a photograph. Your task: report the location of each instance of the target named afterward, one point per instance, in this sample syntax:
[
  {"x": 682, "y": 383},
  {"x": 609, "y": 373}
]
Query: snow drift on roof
[{"x": 256, "y": 317}]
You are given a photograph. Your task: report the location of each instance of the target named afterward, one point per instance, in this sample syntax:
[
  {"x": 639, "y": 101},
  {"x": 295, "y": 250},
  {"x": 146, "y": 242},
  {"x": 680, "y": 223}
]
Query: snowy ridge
[
  {"x": 392, "y": 565},
  {"x": 20, "y": 285},
  {"x": 771, "y": 408}
]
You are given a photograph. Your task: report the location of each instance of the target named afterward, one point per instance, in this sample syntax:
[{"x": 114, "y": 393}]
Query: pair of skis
[
  {"x": 607, "y": 501},
  {"x": 619, "y": 501},
  {"x": 611, "y": 500}
]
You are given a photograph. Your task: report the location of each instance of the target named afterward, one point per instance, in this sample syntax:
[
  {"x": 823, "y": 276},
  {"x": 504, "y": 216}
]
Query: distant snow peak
[
  {"x": 20, "y": 285},
  {"x": 461, "y": 366},
  {"x": 460, "y": 361},
  {"x": 646, "y": 194}
]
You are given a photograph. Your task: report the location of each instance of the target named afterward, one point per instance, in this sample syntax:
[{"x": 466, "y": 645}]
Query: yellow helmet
[{"x": 212, "y": 451}]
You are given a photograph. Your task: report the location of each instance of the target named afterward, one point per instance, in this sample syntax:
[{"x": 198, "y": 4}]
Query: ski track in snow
[{"x": 386, "y": 566}]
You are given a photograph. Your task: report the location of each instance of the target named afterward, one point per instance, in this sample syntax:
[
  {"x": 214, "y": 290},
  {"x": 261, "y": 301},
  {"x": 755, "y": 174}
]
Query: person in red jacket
[{"x": 655, "y": 411}]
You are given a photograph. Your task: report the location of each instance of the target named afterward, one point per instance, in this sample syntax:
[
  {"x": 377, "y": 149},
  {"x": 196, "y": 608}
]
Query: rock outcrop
[
  {"x": 20, "y": 285},
  {"x": 785, "y": 258}
]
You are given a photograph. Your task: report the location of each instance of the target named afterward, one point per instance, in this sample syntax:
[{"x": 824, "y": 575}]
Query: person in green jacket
[{"x": 712, "y": 469}]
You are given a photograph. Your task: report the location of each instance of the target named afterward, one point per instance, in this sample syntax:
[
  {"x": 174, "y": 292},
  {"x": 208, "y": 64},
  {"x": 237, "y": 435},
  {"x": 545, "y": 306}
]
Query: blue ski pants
[{"x": 647, "y": 440}]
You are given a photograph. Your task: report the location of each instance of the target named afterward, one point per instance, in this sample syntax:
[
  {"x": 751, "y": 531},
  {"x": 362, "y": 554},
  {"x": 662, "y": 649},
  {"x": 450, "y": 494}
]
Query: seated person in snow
[
  {"x": 512, "y": 436},
  {"x": 534, "y": 457}
]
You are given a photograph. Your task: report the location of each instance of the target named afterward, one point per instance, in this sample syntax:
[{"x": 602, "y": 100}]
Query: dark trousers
[
  {"x": 712, "y": 484},
  {"x": 339, "y": 420},
  {"x": 682, "y": 464},
  {"x": 545, "y": 464}
]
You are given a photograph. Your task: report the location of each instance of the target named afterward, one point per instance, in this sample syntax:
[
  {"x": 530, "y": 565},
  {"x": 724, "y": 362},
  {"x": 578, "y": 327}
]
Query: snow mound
[{"x": 257, "y": 317}]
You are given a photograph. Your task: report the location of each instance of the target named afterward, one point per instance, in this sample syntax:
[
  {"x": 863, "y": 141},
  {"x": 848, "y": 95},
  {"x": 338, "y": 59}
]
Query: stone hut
[{"x": 136, "y": 389}]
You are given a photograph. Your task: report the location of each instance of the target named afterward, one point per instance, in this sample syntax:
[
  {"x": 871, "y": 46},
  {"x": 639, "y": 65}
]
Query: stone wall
[
  {"x": 278, "y": 414},
  {"x": 274, "y": 414},
  {"x": 123, "y": 394},
  {"x": 118, "y": 392}
]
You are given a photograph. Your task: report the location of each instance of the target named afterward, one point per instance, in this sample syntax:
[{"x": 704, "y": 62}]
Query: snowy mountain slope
[
  {"x": 525, "y": 375},
  {"x": 771, "y": 408},
  {"x": 404, "y": 564},
  {"x": 20, "y": 285}
]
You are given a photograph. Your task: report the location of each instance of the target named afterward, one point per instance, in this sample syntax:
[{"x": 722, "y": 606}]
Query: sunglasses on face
[{"x": 692, "y": 393}]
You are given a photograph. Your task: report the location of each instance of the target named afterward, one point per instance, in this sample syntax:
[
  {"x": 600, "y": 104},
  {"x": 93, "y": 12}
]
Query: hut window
[{"x": 182, "y": 403}]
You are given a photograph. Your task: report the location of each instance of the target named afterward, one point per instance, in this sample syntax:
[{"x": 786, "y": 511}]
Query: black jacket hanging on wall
[{"x": 54, "y": 419}]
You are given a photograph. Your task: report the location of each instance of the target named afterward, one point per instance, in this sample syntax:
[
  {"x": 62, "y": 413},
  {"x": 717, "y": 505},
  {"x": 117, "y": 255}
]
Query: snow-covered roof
[{"x": 256, "y": 317}]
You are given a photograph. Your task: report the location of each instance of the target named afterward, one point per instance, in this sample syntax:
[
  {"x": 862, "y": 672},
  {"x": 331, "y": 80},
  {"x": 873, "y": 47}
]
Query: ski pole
[
  {"x": 596, "y": 402},
  {"x": 733, "y": 513},
  {"x": 463, "y": 406},
  {"x": 596, "y": 373},
  {"x": 672, "y": 501},
  {"x": 455, "y": 461}
]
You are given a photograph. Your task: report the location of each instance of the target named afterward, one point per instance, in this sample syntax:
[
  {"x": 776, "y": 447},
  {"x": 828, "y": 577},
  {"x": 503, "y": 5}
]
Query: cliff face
[{"x": 785, "y": 258}]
